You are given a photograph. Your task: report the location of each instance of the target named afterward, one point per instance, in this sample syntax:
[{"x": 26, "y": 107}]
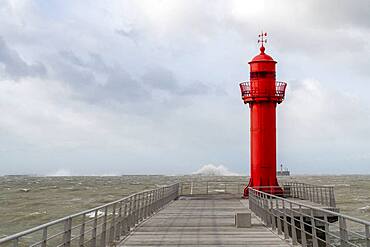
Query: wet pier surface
[{"x": 202, "y": 221}]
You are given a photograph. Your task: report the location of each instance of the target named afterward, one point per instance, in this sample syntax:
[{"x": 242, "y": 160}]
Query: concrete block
[{"x": 243, "y": 220}]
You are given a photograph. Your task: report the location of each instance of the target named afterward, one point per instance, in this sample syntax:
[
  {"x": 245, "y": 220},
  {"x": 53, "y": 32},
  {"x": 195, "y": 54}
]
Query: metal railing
[
  {"x": 211, "y": 187},
  {"x": 101, "y": 226},
  {"x": 323, "y": 195},
  {"x": 248, "y": 91},
  {"x": 307, "y": 225}
]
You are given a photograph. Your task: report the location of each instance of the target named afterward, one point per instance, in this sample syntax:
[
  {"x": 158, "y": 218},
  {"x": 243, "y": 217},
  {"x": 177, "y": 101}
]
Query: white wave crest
[
  {"x": 365, "y": 209},
  {"x": 60, "y": 173},
  {"x": 214, "y": 170}
]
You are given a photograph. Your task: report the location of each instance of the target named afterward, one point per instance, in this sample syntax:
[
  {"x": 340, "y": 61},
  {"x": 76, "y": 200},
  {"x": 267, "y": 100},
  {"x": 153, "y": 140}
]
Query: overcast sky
[{"x": 151, "y": 87}]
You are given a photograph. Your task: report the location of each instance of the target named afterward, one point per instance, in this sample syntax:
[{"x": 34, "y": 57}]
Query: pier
[
  {"x": 199, "y": 213},
  {"x": 202, "y": 221}
]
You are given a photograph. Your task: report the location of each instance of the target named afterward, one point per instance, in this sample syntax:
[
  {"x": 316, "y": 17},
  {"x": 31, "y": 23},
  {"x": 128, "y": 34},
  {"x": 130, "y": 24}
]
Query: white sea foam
[
  {"x": 60, "y": 173},
  {"x": 365, "y": 209},
  {"x": 67, "y": 173},
  {"x": 92, "y": 214},
  {"x": 214, "y": 170},
  {"x": 100, "y": 213},
  {"x": 342, "y": 185}
]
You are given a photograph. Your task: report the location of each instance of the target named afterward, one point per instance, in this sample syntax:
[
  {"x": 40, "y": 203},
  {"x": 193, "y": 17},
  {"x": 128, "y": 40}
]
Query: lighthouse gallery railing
[
  {"x": 100, "y": 226},
  {"x": 248, "y": 91}
]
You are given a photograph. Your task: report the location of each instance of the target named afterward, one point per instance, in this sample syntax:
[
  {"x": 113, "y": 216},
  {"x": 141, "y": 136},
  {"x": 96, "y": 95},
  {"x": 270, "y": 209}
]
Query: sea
[{"x": 28, "y": 201}]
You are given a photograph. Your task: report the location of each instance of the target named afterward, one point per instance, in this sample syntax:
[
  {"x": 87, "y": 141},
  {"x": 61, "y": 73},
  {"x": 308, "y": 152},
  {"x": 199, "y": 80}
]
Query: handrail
[
  {"x": 323, "y": 226},
  {"x": 130, "y": 211},
  {"x": 323, "y": 195},
  {"x": 195, "y": 187},
  {"x": 315, "y": 193}
]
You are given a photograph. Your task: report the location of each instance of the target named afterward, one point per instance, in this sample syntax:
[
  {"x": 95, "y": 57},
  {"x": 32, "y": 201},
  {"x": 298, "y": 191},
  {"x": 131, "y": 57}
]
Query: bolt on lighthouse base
[{"x": 263, "y": 93}]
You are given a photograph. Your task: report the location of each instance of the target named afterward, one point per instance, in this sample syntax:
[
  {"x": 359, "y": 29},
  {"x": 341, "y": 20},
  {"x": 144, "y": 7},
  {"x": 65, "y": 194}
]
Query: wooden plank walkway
[{"x": 202, "y": 221}]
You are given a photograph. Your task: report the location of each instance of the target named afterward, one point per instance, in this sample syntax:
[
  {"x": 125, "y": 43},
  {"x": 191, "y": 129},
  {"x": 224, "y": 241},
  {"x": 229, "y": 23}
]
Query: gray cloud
[
  {"x": 129, "y": 34},
  {"x": 164, "y": 79},
  {"x": 152, "y": 86},
  {"x": 14, "y": 66},
  {"x": 343, "y": 14}
]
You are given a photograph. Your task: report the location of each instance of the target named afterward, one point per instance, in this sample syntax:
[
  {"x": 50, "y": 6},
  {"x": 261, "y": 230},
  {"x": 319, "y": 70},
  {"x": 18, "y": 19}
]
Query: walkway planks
[{"x": 202, "y": 221}]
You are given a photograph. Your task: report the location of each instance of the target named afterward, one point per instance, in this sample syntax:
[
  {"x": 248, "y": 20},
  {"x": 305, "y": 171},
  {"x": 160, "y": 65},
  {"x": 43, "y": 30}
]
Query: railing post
[
  {"x": 147, "y": 213},
  {"x": 162, "y": 197},
  {"x": 272, "y": 214},
  {"x": 125, "y": 219},
  {"x": 130, "y": 214},
  {"x": 82, "y": 232},
  {"x": 313, "y": 225},
  {"x": 306, "y": 192},
  {"x": 151, "y": 202},
  {"x": 119, "y": 222},
  {"x": 266, "y": 211},
  {"x": 94, "y": 230},
  {"x": 302, "y": 226},
  {"x": 279, "y": 217},
  {"x": 155, "y": 202},
  {"x": 137, "y": 200},
  {"x": 16, "y": 241},
  {"x": 140, "y": 207},
  {"x": 146, "y": 205},
  {"x": 312, "y": 193},
  {"x": 207, "y": 187},
  {"x": 133, "y": 212},
  {"x": 112, "y": 228},
  {"x": 286, "y": 235},
  {"x": 343, "y": 231},
  {"x": 104, "y": 228},
  {"x": 367, "y": 234},
  {"x": 143, "y": 202},
  {"x": 332, "y": 197},
  {"x": 301, "y": 188},
  {"x": 157, "y": 199},
  {"x": 292, "y": 225},
  {"x": 67, "y": 232},
  {"x": 44, "y": 236},
  {"x": 327, "y": 235}
]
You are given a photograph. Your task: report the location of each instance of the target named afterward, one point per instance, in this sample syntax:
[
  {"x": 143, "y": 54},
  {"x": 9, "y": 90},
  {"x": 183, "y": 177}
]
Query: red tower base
[{"x": 273, "y": 189}]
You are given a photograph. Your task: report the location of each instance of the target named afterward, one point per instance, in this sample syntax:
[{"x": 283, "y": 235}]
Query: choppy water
[{"x": 29, "y": 201}]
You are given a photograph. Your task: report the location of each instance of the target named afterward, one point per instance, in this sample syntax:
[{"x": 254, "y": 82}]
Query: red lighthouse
[{"x": 263, "y": 93}]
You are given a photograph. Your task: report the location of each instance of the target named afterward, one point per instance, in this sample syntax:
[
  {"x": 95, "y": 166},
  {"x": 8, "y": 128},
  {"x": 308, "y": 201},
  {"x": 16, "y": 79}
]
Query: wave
[
  {"x": 60, "y": 173},
  {"x": 68, "y": 173},
  {"x": 214, "y": 170},
  {"x": 365, "y": 209}
]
